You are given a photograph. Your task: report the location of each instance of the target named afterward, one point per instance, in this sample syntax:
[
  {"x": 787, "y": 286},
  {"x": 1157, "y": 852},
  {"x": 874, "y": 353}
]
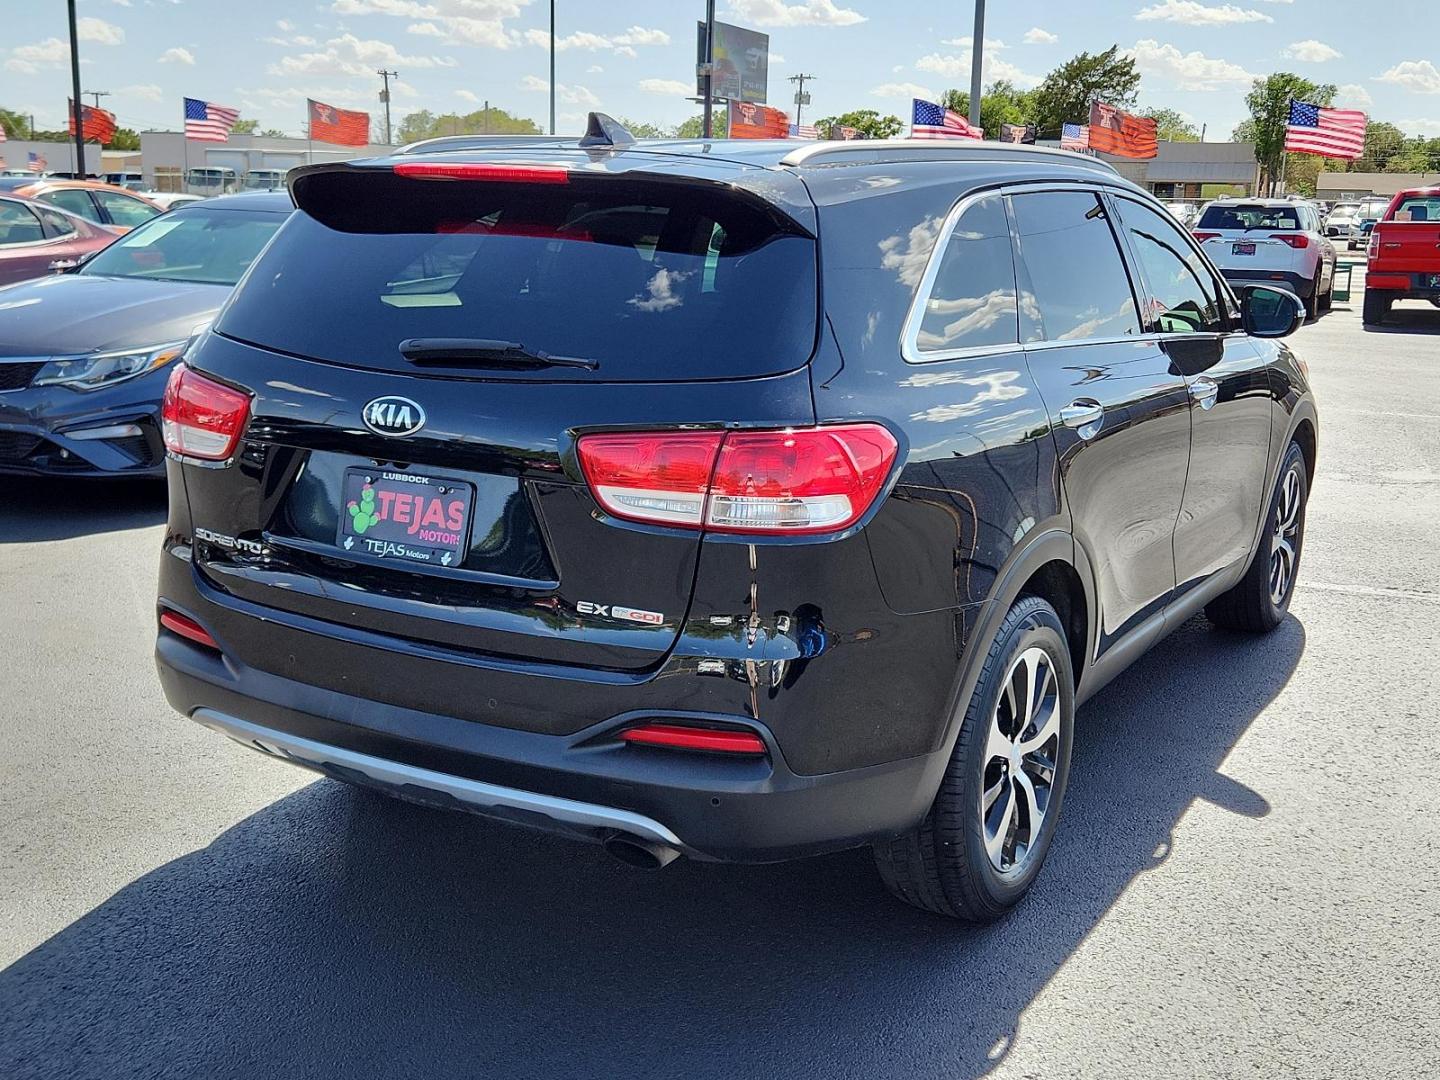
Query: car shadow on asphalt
[
  {"x": 1408, "y": 320},
  {"x": 35, "y": 509},
  {"x": 340, "y": 933}
]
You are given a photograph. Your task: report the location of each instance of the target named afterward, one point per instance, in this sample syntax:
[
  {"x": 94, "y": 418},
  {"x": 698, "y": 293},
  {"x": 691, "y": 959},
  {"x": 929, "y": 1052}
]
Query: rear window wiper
[{"x": 487, "y": 352}]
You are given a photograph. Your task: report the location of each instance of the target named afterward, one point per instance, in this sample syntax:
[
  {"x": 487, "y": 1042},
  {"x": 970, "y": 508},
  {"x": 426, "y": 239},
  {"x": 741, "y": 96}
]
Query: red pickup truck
[{"x": 1404, "y": 254}]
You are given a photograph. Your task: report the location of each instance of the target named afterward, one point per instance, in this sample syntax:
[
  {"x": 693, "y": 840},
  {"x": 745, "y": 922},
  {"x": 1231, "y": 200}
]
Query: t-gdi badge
[{"x": 393, "y": 416}]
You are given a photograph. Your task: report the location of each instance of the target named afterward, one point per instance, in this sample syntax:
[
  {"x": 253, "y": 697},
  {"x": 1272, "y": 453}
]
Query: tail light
[
  {"x": 796, "y": 482},
  {"x": 1372, "y": 249},
  {"x": 1201, "y": 237},
  {"x": 202, "y": 418},
  {"x": 682, "y": 737},
  {"x": 1298, "y": 241}
]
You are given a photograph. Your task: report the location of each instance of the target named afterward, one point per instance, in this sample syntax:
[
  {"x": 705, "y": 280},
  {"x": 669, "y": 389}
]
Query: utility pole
[
  {"x": 485, "y": 117},
  {"x": 801, "y": 97},
  {"x": 97, "y": 95},
  {"x": 385, "y": 97},
  {"x": 707, "y": 72},
  {"x": 75, "y": 91},
  {"x": 977, "y": 58},
  {"x": 552, "y": 67}
]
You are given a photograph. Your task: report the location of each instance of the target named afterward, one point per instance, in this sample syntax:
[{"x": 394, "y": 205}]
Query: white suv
[{"x": 1270, "y": 240}]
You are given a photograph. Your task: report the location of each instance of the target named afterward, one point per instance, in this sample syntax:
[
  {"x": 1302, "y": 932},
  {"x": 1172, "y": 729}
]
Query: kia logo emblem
[{"x": 396, "y": 417}]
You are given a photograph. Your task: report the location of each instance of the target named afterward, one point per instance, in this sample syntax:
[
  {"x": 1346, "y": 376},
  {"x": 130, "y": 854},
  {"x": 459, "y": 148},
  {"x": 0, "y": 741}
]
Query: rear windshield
[
  {"x": 1418, "y": 208},
  {"x": 646, "y": 280},
  {"x": 1250, "y": 217}
]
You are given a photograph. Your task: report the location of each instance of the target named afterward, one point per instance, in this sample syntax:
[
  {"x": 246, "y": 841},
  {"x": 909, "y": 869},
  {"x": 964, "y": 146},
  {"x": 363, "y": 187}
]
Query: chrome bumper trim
[{"x": 473, "y": 793}]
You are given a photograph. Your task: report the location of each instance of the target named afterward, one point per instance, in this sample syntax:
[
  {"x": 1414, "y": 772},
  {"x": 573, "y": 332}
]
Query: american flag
[
  {"x": 35, "y": 162},
  {"x": 930, "y": 121},
  {"x": 804, "y": 131},
  {"x": 1337, "y": 133},
  {"x": 208, "y": 122},
  {"x": 1074, "y": 137}
]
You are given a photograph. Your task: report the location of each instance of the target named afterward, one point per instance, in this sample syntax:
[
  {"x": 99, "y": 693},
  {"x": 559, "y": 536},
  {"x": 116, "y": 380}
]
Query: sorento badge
[{"x": 396, "y": 417}]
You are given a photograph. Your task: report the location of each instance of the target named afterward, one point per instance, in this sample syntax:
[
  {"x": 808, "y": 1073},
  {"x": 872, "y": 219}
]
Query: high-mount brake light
[
  {"x": 466, "y": 170},
  {"x": 801, "y": 481},
  {"x": 202, "y": 418}
]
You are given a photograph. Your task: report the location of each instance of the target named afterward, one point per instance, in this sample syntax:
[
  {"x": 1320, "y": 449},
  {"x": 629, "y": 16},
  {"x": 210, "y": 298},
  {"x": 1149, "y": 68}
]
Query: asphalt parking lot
[{"x": 1245, "y": 882}]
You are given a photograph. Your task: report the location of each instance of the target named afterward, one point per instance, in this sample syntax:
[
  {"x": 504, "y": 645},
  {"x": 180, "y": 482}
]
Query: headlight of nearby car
[{"x": 105, "y": 369}]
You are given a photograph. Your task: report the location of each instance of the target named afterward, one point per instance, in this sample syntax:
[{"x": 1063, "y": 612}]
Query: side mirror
[{"x": 1269, "y": 312}]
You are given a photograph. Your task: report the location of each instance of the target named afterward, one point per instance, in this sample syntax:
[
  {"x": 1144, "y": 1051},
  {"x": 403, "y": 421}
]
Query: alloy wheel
[
  {"x": 1285, "y": 541},
  {"x": 1021, "y": 752}
]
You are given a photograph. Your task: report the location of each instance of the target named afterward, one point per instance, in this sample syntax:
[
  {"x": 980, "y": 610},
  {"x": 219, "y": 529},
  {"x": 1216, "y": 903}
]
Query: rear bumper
[
  {"x": 588, "y": 785},
  {"x": 1300, "y": 286},
  {"x": 1403, "y": 285}
]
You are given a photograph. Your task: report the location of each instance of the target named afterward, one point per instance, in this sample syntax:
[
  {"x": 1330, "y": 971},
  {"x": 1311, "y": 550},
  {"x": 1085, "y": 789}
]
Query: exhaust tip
[{"x": 643, "y": 854}]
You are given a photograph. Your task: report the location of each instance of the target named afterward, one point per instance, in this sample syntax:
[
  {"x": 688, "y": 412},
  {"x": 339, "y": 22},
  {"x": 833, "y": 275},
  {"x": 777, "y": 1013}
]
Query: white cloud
[
  {"x": 467, "y": 22},
  {"x": 1354, "y": 96},
  {"x": 1188, "y": 71},
  {"x": 292, "y": 42},
  {"x": 591, "y": 42},
  {"x": 903, "y": 90},
  {"x": 100, "y": 32},
  {"x": 992, "y": 68},
  {"x": 1418, "y": 75},
  {"x": 806, "y": 13},
  {"x": 571, "y": 95},
  {"x": 177, "y": 55},
  {"x": 145, "y": 92},
  {"x": 1036, "y": 36},
  {"x": 349, "y": 55},
  {"x": 28, "y": 59},
  {"x": 667, "y": 87},
  {"x": 1193, "y": 13},
  {"x": 966, "y": 42},
  {"x": 594, "y": 69},
  {"x": 1429, "y": 128},
  {"x": 468, "y": 95},
  {"x": 627, "y": 52},
  {"x": 1310, "y": 51},
  {"x": 284, "y": 26},
  {"x": 425, "y": 29}
]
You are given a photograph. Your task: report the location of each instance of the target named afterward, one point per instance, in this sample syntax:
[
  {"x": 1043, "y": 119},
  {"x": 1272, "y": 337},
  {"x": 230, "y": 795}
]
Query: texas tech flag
[
  {"x": 751, "y": 121},
  {"x": 1115, "y": 131},
  {"x": 97, "y": 124},
  {"x": 1017, "y": 133},
  {"x": 340, "y": 126}
]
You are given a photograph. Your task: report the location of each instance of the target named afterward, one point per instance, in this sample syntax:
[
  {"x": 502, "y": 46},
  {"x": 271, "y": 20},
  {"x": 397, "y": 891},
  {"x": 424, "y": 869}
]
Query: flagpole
[
  {"x": 184, "y": 148},
  {"x": 977, "y": 59},
  {"x": 75, "y": 104}
]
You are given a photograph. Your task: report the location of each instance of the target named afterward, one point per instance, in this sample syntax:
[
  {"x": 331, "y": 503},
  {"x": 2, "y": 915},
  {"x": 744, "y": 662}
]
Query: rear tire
[
  {"x": 967, "y": 859},
  {"x": 1377, "y": 306},
  {"x": 1259, "y": 602},
  {"x": 1327, "y": 300}
]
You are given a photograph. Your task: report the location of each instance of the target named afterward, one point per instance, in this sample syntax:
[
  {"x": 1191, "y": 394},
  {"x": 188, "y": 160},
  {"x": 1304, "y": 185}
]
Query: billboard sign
[{"x": 742, "y": 63}]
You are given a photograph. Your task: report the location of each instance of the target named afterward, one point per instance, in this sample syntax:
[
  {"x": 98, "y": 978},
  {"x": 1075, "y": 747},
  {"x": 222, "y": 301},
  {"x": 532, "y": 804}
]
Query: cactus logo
[{"x": 396, "y": 417}]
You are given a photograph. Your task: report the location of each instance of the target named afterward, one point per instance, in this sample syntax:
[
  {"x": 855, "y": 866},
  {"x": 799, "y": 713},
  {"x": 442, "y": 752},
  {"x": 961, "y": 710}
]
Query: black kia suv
[{"x": 739, "y": 500}]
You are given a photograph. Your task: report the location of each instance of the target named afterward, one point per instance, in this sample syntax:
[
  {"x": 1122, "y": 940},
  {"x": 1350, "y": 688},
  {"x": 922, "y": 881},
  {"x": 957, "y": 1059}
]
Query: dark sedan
[{"x": 84, "y": 356}]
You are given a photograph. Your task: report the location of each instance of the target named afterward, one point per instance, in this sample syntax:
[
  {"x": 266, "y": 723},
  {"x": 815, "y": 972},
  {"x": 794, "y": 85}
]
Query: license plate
[
  {"x": 1247, "y": 248},
  {"x": 406, "y": 517}
]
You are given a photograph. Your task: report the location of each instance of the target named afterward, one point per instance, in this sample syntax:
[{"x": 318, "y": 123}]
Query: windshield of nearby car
[
  {"x": 1418, "y": 208},
  {"x": 199, "y": 245},
  {"x": 1373, "y": 209},
  {"x": 1249, "y": 216}
]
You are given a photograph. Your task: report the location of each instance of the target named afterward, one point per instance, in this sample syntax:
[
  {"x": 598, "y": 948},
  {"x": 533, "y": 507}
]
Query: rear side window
[
  {"x": 57, "y": 224},
  {"x": 646, "y": 279},
  {"x": 1073, "y": 283},
  {"x": 124, "y": 210},
  {"x": 76, "y": 200},
  {"x": 18, "y": 225},
  {"x": 971, "y": 302},
  {"x": 1418, "y": 208},
  {"x": 1182, "y": 291}
]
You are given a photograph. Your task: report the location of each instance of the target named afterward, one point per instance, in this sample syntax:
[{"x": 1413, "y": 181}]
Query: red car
[
  {"x": 1404, "y": 254},
  {"x": 37, "y": 239}
]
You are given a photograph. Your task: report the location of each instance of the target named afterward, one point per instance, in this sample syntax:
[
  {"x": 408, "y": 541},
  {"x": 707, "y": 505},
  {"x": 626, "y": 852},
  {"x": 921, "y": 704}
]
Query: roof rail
[
  {"x": 864, "y": 151},
  {"x": 483, "y": 142}
]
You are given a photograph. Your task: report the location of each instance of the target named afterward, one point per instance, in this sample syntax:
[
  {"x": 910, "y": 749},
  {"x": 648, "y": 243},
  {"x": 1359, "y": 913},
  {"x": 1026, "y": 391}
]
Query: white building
[{"x": 166, "y": 156}]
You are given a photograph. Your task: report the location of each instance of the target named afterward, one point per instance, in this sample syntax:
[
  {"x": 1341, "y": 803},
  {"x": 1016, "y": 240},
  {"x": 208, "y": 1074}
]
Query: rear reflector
[
  {"x": 188, "y": 628},
  {"x": 461, "y": 170},
  {"x": 798, "y": 481},
  {"x": 679, "y": 737},
  {"x": 202, "y": 418},
  {"x": 1298, "y": 241}
]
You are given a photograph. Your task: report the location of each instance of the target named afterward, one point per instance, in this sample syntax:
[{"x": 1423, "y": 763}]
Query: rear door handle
[
  {"x": 1205, "y": 391},
  {"x": 1085, "y": 416}
]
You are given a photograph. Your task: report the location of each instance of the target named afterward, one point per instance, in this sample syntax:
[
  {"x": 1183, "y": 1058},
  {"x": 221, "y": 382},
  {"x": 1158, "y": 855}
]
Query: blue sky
[{"x": 636, "y": 57}]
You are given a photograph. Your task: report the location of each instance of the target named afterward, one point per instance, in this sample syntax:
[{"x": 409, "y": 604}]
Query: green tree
[
  {"x": 1269, "y": 104},
  {"x": 16, "y": 125},
  {"x": 1171, "y": 125},
  {"x": 866, "y": 121},
  {"x": 643, "y": 129},
  {"x": 245, "y": 127},
  {"x": 424, "y": 124},
  {"x": 1002, "y": 102},
  {"x": 125, "y": 139},
  {"x": 695, "y": 126},
  {"x": 1065, "y": 95}
]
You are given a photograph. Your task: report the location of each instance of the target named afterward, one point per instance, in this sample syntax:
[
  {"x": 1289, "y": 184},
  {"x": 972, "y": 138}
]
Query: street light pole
[
  {"x": 707, "y": 80},
  {"x": 385, "y": 97},
  {"x": 552, "y": 67},
  {"x": 977, "y": 58},
  {"x": 75, "y": 90}
]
